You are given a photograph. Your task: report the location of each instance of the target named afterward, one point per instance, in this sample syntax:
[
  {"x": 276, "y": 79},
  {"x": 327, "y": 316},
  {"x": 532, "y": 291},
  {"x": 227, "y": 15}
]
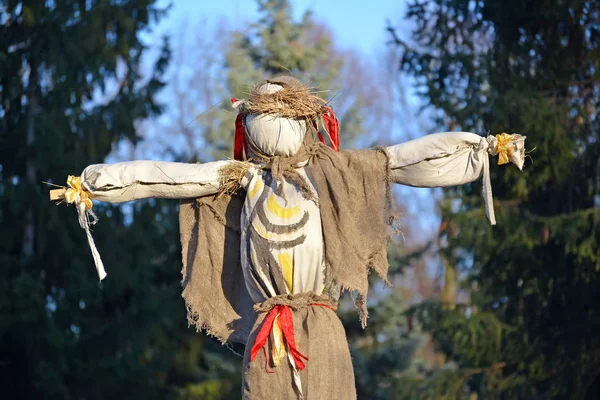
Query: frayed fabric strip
[
  {"x": 488, "y": 198},
  {"x": 78, "y": 195},
  {"x": 84, "y": 222}
]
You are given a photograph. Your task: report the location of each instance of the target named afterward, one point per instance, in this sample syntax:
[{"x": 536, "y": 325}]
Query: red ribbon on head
[
  {"x": 239, "y": 144},
  {"x": 286, "y": 323},
  {"x": 333, "y": 128}
]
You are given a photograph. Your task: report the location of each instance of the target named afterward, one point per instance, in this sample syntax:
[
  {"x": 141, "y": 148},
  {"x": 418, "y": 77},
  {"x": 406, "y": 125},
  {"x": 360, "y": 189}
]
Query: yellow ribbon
[
  {"x": 278, "y": 346},
  {"x": 76, "y": 193},
  {"x": 502, "y": 147}
]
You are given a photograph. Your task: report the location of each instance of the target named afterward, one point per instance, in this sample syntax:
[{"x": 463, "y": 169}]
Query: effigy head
[{"x": 276, "y": 117}]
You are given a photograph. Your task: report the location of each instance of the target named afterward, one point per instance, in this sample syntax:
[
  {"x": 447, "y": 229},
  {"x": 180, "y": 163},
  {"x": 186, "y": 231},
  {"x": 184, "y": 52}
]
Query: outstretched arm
[
  {"x": 121, "y": 182},
  {"x": 453, "y": 158},
  {"x": 126, "y": 181}
]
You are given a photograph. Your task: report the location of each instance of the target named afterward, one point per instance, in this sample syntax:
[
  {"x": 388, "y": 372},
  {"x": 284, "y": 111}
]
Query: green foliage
[
  {"x": 453, "y": 329},
  {"x": 531, "y": 68},
  {"x": 278, "y": 45},
  {"x": 70, "y": 88}
]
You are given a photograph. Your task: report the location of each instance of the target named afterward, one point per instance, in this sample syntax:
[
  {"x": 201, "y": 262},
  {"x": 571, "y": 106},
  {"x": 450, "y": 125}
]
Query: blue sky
[{"x": 355, "y": 23}]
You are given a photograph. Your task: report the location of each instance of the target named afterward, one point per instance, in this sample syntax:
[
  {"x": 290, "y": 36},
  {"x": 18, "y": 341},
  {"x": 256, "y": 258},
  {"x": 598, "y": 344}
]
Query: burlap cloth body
[
  {"x": 320, "y": 336},
  {"x": 355, "y": 207}
]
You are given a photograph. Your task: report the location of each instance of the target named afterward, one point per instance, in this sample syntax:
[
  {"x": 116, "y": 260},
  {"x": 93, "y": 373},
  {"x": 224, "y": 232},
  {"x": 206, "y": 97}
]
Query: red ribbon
[
  {"x": 286, "y": 323},
  {"x": 332, "y": 125},
  {"x": 239, "y": 144}
]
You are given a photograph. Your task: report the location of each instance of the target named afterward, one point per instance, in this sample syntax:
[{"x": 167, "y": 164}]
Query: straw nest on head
[{"x": 292, "y": 101}]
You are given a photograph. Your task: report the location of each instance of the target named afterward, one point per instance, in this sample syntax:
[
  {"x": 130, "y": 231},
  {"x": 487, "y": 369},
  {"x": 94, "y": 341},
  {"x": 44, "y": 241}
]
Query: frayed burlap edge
[
  {"x": 377, "y": 260},
  {"x": 213, "y": 285},
  {"x": 193, "y": 320}
]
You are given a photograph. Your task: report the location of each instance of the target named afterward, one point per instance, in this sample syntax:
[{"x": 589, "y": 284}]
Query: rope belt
[{"x": 280, "y": 322}]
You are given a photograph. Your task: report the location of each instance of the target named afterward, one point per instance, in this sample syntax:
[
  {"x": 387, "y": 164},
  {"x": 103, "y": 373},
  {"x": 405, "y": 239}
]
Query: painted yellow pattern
[
  {"x": 292, "y": 226},
  {"x": 296, "y": 252},
  {"x": 281, "y": 212},
  {"x": 262, "y": 232},
  {"x": 285, "y": 261},
  {"x": 256, "y": 189}
]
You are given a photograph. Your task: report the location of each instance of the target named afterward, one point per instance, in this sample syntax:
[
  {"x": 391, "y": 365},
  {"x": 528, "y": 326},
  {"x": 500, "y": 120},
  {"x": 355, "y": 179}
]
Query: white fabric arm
[
  {"x": 126, "y": 181},
  {"x": 438, "y": 160},
  {"x": 451, "y": 159}
]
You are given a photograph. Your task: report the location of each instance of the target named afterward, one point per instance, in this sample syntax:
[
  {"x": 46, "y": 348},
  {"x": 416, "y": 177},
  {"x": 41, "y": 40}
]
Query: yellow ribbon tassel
[
  {"x": 502, "y": 148},
  {"x": 76, "y": 193}
]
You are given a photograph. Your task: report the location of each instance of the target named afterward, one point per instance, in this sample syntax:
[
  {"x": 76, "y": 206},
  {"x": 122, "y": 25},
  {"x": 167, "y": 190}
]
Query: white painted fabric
[
  {"x": 298, "y": 253},
  {"x": 276, "y": 136},
  {"x": 126, "y": 181},
  {"x": 282, "y": 248}
]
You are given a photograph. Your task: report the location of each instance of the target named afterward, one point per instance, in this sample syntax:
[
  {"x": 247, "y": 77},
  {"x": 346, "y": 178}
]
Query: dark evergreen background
[{"x": 518, "y": 314}]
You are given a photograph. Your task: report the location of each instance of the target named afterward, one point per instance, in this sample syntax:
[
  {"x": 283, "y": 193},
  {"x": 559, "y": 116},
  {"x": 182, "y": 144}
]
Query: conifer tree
[
  {"x": 70, "y": 88},
  {"x": 530, "y": 329}
]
